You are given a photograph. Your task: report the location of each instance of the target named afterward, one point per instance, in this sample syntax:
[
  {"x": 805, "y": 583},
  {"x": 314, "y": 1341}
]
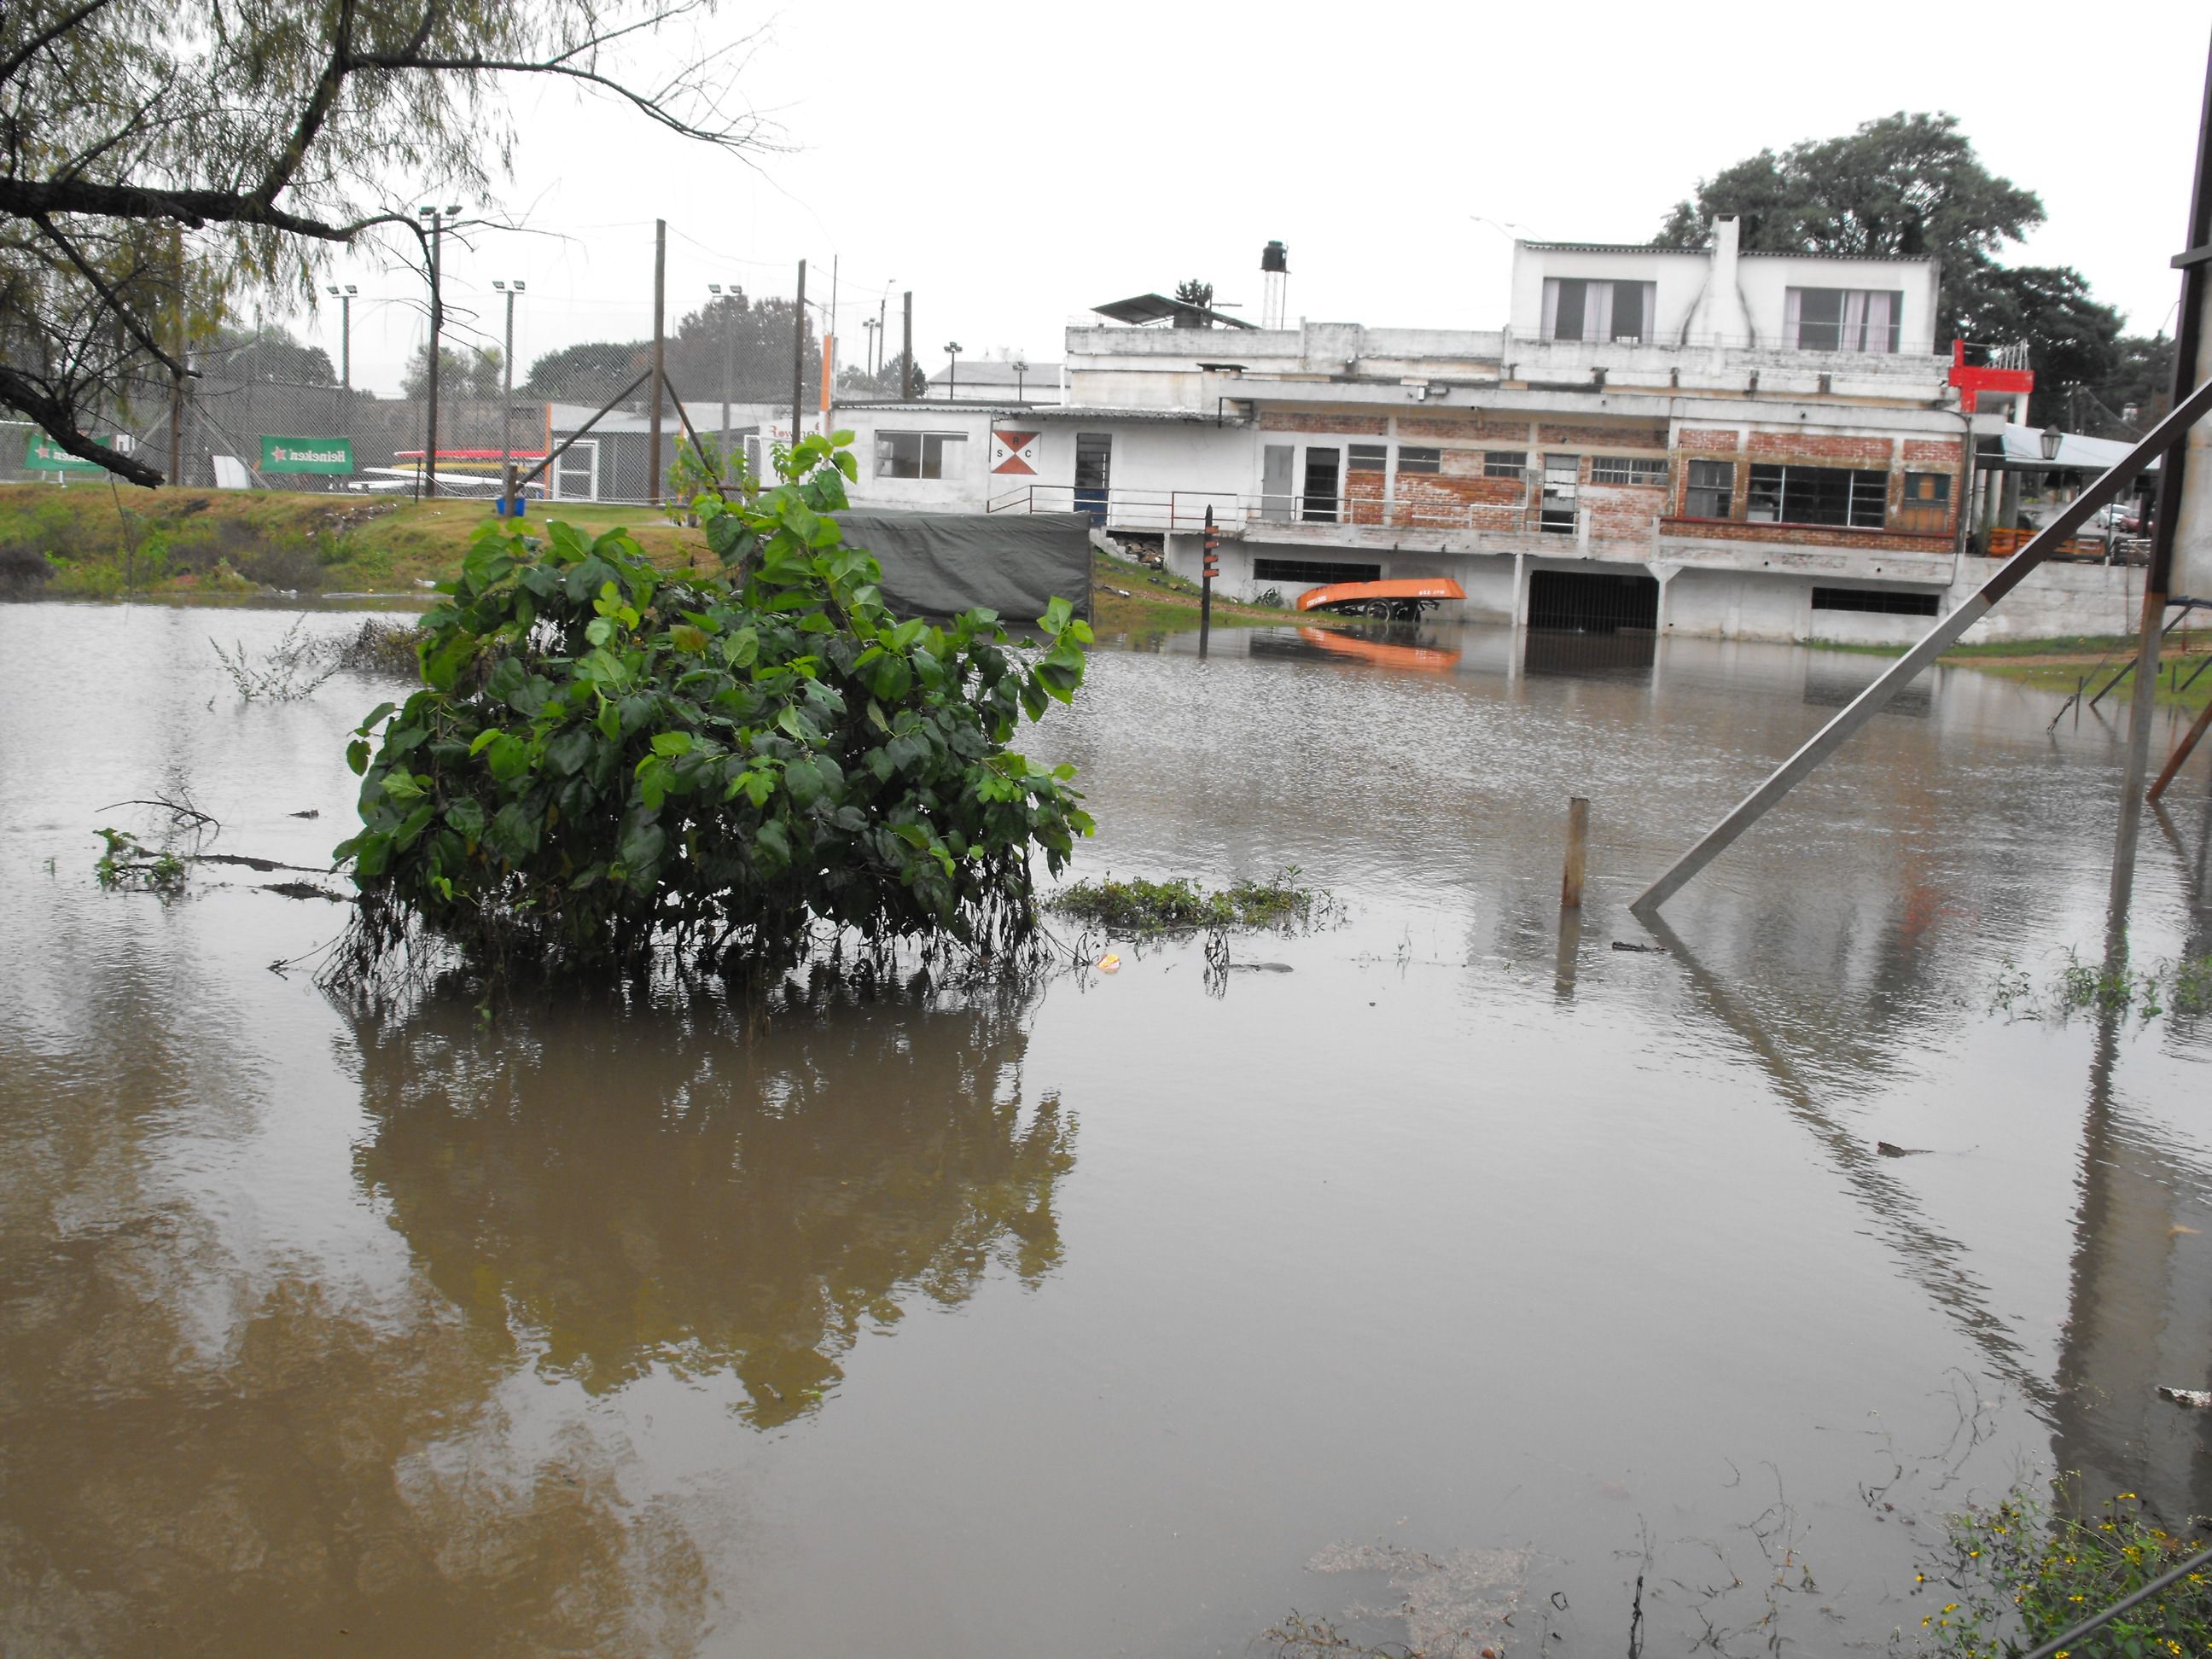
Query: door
[
  {"x": 1319, "y": 503},
  {"x": 576, "y": 474},
  {"x": 1094, "y": 474},
  {"x": 1560, "y": 474},
  {"x": 1275, "y": 501}
]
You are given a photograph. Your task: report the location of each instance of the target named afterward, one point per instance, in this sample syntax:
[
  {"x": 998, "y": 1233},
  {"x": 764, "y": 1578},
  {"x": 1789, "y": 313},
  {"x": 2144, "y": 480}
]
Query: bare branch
[{"x": 124, "y": 314}]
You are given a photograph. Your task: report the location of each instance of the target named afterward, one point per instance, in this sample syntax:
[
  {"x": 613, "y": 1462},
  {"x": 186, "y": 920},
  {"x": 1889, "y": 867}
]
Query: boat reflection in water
[{"x": 1382, "y": 652}]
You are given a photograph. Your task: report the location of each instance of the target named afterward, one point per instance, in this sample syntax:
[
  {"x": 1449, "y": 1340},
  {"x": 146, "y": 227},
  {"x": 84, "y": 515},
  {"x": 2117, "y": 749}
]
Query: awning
[{"x": 2077, "y": 452}]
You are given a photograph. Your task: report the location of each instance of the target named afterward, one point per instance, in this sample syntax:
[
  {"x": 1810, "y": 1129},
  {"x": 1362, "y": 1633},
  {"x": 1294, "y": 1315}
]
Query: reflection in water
[
  {"x": 1396, "y": 648},
  {"x": 196, "y": 1459},
  {"x": 668, "y": 1187},
  {"x": 1626, "y": 656}
]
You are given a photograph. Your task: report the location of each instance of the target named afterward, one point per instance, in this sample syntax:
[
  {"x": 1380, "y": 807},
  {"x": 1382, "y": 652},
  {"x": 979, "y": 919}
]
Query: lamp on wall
[{"x": 2052, "y": 437}]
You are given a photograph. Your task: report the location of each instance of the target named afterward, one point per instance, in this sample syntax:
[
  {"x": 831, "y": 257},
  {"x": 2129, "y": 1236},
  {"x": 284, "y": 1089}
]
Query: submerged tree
[
  {"x": 607, "y": 759},
  {"x": 163, "y": 160}
]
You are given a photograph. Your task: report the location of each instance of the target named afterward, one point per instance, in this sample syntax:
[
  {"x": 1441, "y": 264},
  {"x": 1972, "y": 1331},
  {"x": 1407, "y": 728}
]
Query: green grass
[{"x": 1183, "y": 906}]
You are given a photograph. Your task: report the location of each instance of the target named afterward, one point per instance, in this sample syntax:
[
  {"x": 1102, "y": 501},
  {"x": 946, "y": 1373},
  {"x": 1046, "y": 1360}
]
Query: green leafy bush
[
  {"x": 2014, "y": 1575},
  {"x": 606, "y": 757},
  {"x": 1137, "y": 906}
]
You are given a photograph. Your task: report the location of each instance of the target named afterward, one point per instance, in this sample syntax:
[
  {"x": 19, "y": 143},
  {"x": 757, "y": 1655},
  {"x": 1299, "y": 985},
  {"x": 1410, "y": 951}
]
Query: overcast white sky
[{"x": 1016, "y": 164}]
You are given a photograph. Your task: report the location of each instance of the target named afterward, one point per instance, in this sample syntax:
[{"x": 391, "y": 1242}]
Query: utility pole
[
  {"x": 437, "y": 217},
  {"x": 659, "y": 357},
  {"x": 882, "y": 336},
  {"x": 798, "y": 352},
  {"x": 2188, "y": 341},
  {"x": 506, "y": 404},
  {"x": 176, "y": 375},
  {"x": 725, "y": 304},
  {"x": 906, "y": 351},
  {"x": 829, "y": 346}
]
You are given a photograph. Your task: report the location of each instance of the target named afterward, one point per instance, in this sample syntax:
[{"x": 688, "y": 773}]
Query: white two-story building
[{"x": 1753, "y": 446}]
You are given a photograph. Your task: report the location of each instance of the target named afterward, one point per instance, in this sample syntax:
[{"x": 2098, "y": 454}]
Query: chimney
[{"x": 1721, "y": 315}]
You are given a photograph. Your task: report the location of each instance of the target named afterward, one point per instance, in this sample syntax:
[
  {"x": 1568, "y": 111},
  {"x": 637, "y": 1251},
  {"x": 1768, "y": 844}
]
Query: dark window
[
  {"x": 1577, "y": 308},
  {"x": 1710, "y": 493},
  {"x": 1367, "y": 457},
  {"x": 1627, "y": 470},
  {"x": 1505, "y": 463},
  {"x": 1627, "y": 312},
  {"x": 1888, "y": 601},
  {"x": 1567, "y": 318},
  {"x": 1927, "y": 502},
  {"x": 1094, "y": 457},
  {"x": 1412, "y": 460},
  {"x": 919, "y": 454},
  {"x": 1592, "y": 602},
  {"x": 1818, "y": 494},
  {"x": 1313, "y": 572}
]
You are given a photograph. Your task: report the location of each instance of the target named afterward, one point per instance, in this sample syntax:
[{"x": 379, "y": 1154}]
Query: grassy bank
[
  {"x": 2060, "y": 665},
  {"x": 87, "y": 541}
]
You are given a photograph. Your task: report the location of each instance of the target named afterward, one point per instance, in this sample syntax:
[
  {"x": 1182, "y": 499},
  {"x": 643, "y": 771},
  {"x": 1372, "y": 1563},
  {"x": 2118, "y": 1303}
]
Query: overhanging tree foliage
[
  {"x": 607, "y": 759},
  {"x": 160, "y": 161},
  {"x": 1910, "y": 185}
]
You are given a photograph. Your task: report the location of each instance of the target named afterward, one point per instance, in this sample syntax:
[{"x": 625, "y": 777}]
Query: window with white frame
[
  {"x": 1818, "y": 494},
  {"x": 1412, "y": 458},
  {"x": 1505, "y": 463},
  {"x": 1367, "y": 457},
  {"x": 1843, "y": 318},
  {"x": 1709, "y": 492},
  {"x": 920, "y": 454},
  {"x": 1627, "y": 470},
  {"x": 1580, "y": 309}
]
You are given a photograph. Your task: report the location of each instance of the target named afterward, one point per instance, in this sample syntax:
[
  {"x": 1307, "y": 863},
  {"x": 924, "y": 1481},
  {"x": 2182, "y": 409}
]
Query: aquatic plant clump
[
  {"x": 607, "y": 758},
  {"x": 2014, "y": 1575},
  {"x": 1157, "y": 907}
]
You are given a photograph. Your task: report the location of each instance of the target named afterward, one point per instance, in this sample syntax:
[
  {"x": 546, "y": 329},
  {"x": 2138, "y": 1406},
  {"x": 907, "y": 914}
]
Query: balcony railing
[{"x": 1173, "y": 510}]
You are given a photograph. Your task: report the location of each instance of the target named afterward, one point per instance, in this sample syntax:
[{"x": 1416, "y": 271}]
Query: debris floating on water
[
  {"x": 1888, "y": 1150},
  {"x": 1109, "y": 963},
  {"x": 1629, "y": 944},
  {"x": 2200, "y": 1398}
]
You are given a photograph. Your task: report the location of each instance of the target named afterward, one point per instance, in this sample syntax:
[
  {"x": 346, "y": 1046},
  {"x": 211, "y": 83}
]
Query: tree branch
[
  {"x": 56, "y": 419},
  {"x": 328, "y": 85},
  {"x": 124, "y": 314},
  {"x": 47, "y": 36}
]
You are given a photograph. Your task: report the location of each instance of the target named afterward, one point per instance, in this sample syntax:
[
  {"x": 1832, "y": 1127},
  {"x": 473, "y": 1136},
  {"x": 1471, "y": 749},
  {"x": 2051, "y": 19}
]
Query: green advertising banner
[
  {"x": 307, "y": 454},
  {"x": 45, "y": 455}
]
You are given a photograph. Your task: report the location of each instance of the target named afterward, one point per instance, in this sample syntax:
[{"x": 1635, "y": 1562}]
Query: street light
[
  {"x": 952, "y": 374},
  {"x": 1021, "y": 366},
  {"x": 2052, "y": 437},
  {"x": 437, "y": 216},
  {"x": 507, "y": 401}
]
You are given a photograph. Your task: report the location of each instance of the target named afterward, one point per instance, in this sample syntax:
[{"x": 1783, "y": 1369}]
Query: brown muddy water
[{"x": 1449, "y": 1273}]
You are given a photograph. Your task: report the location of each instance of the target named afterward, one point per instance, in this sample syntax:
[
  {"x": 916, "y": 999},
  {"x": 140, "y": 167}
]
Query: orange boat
[
  {"x": 1402, "y": 601},
  {"x": 1425, "y": 657}
]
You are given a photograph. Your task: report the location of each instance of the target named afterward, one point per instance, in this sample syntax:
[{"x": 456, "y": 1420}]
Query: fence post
[
  {"x": 659, "y": 362},
  {"x": 1570, "y": 879}
]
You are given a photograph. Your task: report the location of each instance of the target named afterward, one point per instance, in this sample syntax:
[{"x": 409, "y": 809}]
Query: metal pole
[
  {"x": 2158, "y": 580},
  {"x": 1571, "y": 878},
  {"x": 1205, "y": 585},
  {"x": 883, "y": 304},
  {"x": 798, "y": 352},
  {"x": 506, "y": 412},
  {"x": 906, "y": 351},
  {"x": 428, "y": 485},
  {"x": 2162, "y": 438},
  {"x": 829, "y": 346},
  {"x": 728, "y": 304},
  {"x": 660, "y": 356}
]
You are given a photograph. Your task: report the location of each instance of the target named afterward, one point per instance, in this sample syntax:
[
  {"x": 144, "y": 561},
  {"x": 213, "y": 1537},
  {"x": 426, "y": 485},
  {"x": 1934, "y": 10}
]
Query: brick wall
[
  {"x": 1431, "y": 497},
  {"x": 1362, "y": 497},
  {"x": 1622, "y": 512},
  {"x": 1802, "y": 535},
  {"x": 1478, "y": 429},
  {"x": 1273, "y": 420},
  {"x": 1931, "y": 454},
  {"x": 1711, "y": 440},
  {"x": 1602, "y": 437},
  {"x": 1820, "y": 449}
]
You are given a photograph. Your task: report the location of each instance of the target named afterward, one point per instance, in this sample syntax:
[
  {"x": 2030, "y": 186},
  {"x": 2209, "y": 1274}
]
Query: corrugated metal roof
[
  {"x": 1107, "y": 412},
  {"x": 1747, "y": 254}
]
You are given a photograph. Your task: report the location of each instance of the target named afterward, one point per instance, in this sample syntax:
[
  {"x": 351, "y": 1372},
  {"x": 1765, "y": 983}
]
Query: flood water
[{"x": 1454, "y": 1269}]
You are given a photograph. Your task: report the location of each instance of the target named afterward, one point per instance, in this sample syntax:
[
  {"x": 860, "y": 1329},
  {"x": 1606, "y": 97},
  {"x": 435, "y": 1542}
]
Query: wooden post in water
[
  {"x": 1571, "y": 880},
  {"x": 1207, "y": 572}
]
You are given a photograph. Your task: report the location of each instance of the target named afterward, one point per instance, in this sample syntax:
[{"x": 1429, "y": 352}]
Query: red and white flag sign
[{"x": 1014, "y": 452}]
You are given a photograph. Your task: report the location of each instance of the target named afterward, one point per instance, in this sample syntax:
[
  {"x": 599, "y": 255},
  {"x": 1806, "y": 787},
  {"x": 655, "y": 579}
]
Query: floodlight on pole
[
  {"x": 506, "y": 402},
  {"x": 952, "y": 374},
  {"x": 724, "y": 302}
]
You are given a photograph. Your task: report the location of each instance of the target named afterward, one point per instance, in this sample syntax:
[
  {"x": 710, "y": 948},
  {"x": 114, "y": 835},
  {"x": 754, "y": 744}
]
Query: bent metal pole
[{"x": 1940, "y": 639}]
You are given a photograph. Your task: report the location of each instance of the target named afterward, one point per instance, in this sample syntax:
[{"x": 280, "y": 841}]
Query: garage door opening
[{"x": 1591, "y": 602}]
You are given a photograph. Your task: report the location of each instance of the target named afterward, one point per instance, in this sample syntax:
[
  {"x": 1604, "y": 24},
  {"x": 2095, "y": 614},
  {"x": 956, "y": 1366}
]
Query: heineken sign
[
  {"x": 307, "y": 454},
  {"x": 45, "y": 455}
]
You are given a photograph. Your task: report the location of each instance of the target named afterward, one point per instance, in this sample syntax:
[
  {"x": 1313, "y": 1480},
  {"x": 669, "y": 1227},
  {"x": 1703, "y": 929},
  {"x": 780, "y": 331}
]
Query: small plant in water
[
  {"x": 128, "y": 863},
  {"x": 291, "y": 669},
  {"x": 1159, "y": 906},
  {"x": 2011, "y": 1577},
  {"x": 2182, "y": 986}
]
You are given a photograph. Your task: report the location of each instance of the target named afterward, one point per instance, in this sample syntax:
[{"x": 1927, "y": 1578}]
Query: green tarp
[{"x": 937, "y": 564}]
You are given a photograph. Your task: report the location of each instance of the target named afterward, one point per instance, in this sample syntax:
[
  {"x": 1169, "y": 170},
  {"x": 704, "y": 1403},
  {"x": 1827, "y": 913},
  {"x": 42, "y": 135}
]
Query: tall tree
[
  {"x": 264, "y": 354},
  {"x": 589, "y": 372},
  {"x": 757, "y": 335},
  {"x": 1910, "y": 185},
  {"x": 473, "y": 372},
  {"x": 161, "y": 162}
]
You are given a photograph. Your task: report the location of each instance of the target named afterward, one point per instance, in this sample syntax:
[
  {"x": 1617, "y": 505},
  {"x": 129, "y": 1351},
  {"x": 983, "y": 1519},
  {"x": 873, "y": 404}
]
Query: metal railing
[{"x": 1168, "y": 510}]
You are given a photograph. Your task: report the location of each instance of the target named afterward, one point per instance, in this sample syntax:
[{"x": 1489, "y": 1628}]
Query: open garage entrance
[{"x": 1592, "y": 602}]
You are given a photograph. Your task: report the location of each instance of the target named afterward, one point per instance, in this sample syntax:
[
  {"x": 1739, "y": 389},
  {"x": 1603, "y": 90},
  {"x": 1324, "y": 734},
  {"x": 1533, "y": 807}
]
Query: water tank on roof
[{"x": 1275, "y": 257}]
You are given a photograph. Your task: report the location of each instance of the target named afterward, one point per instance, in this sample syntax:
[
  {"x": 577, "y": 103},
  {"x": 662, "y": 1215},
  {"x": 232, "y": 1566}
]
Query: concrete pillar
[{"x": 2008, "y": 501}]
